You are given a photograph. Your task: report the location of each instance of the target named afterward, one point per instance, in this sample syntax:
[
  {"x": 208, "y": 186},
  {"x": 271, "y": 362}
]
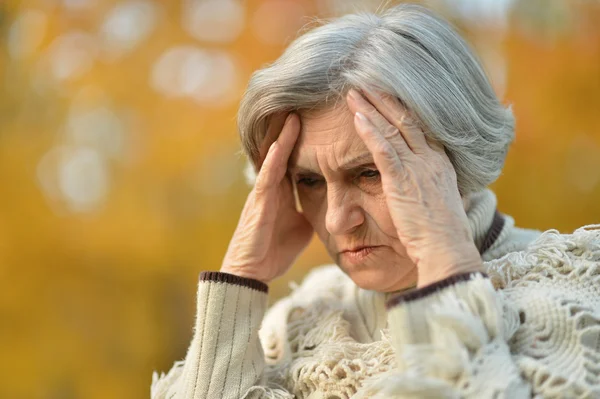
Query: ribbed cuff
[
  {"x": 222, "y": 277},
  {"x": 225, "y": 357},
  {"x": 430, "y": 289}
]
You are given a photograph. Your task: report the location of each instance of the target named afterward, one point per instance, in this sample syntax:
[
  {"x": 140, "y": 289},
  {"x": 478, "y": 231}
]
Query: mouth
[{"x": 358, "y": 254}]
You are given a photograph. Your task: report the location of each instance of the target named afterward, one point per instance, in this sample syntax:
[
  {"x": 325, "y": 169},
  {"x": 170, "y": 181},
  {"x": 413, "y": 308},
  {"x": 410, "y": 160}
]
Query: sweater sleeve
[
  {"x": 225, "y": 358},
  {"x": 450, "y": 340}
]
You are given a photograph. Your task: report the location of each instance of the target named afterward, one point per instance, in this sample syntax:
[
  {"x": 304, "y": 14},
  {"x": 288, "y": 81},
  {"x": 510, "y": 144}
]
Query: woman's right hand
[{"x": 270, "y": 233}]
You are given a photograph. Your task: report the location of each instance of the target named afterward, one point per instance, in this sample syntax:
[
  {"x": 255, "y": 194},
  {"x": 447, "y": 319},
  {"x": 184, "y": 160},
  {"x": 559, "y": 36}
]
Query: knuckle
[
  {"x": 385, "y": 150},
  {"x": 368, "y": 107},
  {"x": 259, "y": 190},
  {"x": 391, "y": 102},
  {"x": 403, "y": 148},
  {"x": 388, "y": 99},
  {"x": 391, "y": 131},
  {"x": 398, "y": 120},
  {"x": 262, "y": 183},
  {"x": 372, "y": 113},
  {"x": 407, "y": 122}
]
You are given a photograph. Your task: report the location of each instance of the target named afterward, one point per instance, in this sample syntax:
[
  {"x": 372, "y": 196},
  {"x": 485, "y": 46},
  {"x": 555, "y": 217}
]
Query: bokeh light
[
  {"x": 218, "y": 21},
  {"x": 207, "y": 76},
  {"x": 126, "y": 25}
]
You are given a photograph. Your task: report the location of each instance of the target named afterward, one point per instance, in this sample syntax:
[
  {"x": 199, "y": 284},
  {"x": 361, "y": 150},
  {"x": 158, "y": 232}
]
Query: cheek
[
  {"x": 313, "y": 207},
  {"x": 377, "y": 209}
]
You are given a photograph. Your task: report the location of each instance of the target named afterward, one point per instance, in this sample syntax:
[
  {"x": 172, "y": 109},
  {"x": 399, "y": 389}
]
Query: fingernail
[
  {"x": 288, "y": 118},
  {"x": 354, "y": 94},
  {"x": 361, "y": 117}
]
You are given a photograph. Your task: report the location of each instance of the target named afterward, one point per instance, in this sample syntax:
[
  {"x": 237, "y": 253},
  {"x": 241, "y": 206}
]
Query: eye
[
  {"x": 370, "y": 173},
  {"x": 307, "y": 181}
]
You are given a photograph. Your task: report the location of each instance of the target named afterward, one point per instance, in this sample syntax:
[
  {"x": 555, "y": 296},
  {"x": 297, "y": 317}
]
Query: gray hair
[{"x": 406, "y": 51}]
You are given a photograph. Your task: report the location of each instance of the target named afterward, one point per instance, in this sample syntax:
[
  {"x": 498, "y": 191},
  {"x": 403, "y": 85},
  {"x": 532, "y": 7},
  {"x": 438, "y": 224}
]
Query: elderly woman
[{"x": 381, "y": 134}]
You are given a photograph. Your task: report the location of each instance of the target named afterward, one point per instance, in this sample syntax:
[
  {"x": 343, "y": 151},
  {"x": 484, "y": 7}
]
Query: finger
[
  {"x": 288, "y": 137},
  {"x": 276, "y": 123},
  {"x": 435, "y": 145},
  {"x": 357, "y": 103},
  {"x": 398, "y": 115},
  {"x": 385, "y": 156},
  {"x": 274, "y": 166},
  {"x": 266, "y": 178}
]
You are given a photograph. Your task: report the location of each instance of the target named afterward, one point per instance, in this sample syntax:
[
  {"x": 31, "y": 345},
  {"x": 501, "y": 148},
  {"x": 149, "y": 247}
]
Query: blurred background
[{"x": 122, "y": 180}]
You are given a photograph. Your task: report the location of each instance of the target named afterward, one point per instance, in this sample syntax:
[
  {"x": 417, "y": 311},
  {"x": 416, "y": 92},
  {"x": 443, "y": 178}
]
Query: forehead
[{"x": 331, "y": 130}]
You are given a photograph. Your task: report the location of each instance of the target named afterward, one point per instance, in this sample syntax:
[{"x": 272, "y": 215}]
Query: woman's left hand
[{"x": 420, "y": 186}]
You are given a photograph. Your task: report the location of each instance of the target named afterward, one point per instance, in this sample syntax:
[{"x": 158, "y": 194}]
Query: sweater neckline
[
  {"x": 493, "y": 232},
  {"x": 484, "y": 219}
]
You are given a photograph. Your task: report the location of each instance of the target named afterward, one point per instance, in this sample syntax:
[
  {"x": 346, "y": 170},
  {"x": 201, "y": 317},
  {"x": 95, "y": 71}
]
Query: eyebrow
[{"x": 352, "y": 163}]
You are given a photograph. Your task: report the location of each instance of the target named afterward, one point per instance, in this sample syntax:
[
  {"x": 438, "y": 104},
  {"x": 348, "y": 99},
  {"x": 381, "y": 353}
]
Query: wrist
[
  {"x": 240, "y": 273},
  {"x": 446, "y": 263}
]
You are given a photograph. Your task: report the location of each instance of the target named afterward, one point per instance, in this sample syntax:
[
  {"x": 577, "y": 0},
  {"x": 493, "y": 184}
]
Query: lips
[
  {"x": 358, "y": 254},
  {"x": 357, "y": 249}
]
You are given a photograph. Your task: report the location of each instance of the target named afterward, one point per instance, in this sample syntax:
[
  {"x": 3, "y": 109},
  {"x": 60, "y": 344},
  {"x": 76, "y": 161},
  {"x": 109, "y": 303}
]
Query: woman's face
[{"x": 341, "y": 196}]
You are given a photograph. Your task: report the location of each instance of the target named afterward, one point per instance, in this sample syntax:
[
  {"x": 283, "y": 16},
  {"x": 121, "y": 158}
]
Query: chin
[
  {"x": 369, "y": 279},
  {"x": 368, "y": 276},
  {"x": 371, "y": 276}
]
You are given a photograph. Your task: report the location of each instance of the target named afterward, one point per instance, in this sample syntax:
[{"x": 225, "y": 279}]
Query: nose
[{"x": 343, "y": 212}]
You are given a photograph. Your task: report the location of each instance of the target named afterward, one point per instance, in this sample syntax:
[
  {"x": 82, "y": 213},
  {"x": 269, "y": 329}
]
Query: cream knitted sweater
[{"x": 529, "y": 327}]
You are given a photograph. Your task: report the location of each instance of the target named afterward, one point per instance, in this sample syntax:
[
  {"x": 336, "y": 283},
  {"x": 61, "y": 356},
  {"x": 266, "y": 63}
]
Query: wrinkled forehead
[{"x": 330, "y": 130}]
